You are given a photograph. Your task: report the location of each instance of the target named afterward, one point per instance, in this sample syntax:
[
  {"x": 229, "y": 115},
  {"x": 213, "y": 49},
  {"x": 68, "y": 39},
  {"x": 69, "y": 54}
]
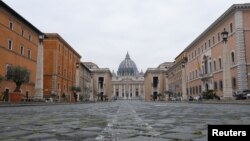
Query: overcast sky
[{"x": 102, "y": 31}]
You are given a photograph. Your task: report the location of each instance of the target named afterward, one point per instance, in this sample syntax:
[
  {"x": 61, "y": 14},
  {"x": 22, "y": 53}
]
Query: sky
[{"x": 103, "y": 31}]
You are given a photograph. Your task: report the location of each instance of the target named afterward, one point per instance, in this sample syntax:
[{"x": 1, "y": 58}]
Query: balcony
[{"x": 205, "y": 76}]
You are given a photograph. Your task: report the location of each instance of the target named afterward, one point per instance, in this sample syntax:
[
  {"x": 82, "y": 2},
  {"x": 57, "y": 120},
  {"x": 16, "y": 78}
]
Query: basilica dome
[{"x": 127, "y": 67}]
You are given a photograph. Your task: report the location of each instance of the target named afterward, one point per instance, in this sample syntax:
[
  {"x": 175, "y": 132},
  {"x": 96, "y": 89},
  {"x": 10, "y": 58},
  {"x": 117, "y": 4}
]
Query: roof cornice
[
  {"x": 229, "y": 11},
  {"x": 18, "y": 16},
  {"x": 56, "y": 35}
]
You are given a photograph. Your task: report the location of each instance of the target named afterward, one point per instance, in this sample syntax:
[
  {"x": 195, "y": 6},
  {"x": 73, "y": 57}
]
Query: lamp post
[
  {"x": 77, "y": 81},
  {"x": 183, "y": 81},
  {"x": 227, "y": 80}
]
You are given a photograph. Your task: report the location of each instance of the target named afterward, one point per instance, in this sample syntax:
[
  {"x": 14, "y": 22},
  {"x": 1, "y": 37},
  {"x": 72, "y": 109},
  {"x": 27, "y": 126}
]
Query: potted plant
[
  {"x": 64, "y": 97},
  {"x": 1, "y": 79},
  {"x": 75, "y": 90},
  {"x": 169, "y": 94},
  {"x": 3, "y": 96},
  {"x": 18, "y": 75}
]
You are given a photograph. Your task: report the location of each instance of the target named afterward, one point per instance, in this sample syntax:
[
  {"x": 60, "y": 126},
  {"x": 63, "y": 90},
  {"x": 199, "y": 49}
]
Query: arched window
[
  {"x": 215, "y": 86},
  {"x": 232, "y": 57},
  {"x": 205, "y": 64},
  {"x": 221, "y": 85},
  {"x": 220, "y": 63},
  {"x": 234, "y": 83},
  {"x": 214, "y": 65},
  {"x": 210, "y": 67}
]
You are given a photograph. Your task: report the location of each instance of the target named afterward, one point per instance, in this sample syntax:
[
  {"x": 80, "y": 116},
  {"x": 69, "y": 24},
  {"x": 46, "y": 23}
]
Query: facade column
[
  {"x": 114, "y": 90},
  {"x": 104, "y": 87},
  {"x": 158, "y": 86},
  {"x": 120, "y": 90},
  {"x": 227, "y": 79},
  {"x": 124, "y": 94},
  {"x": 144, "y": 92},
  {"x": 54, "y": 75},
  {"x": 139, "y": 90},
  {"x": 91, "y": 97},
  {"x": 77, "y": 81},
  {"x": 135, "y": 86},
  {"x": 242, "y": 79},
  {"x": 129, "y": 90},
  {"x": 39, "y": 70},
  {"x": 184, "y": 87},
  {"x": 133, "y": 90}
]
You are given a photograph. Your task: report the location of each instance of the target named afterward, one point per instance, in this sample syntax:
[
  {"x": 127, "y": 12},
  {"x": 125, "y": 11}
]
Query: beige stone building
[
  {"x": 128, "y": 83},
  {"x": 101, "y": 82},
  {"x": 217, "y": 65},
  {"x": 155, "y": 82},
  {"x": 83, "y": 80},
  {"x": 176, "y": 77}
]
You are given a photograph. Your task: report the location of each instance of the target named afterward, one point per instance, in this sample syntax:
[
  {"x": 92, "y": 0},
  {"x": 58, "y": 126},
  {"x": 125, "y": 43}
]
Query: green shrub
[{"x": 210, "y": 94}]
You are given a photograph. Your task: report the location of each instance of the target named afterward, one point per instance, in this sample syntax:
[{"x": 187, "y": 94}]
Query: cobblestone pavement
[{"x": 120, "y": 120}]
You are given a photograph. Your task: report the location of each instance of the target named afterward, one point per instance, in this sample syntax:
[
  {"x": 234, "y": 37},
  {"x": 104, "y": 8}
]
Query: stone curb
[{"x": 38, "y": 104}]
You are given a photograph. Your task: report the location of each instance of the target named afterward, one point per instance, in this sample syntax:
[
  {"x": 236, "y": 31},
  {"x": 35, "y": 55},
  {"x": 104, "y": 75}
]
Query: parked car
[
  {"x": 248, "y": 96},
  {"x": 114, "y": 98},
  {"x": 178, "y": 98},
  {"x": 197, "y": 98},
  {"x": 173, "y": 99},
  {"x": 191, "y": 98},
  {"x": 48, "y": 100},
  {"x": 240, "y": 95}
]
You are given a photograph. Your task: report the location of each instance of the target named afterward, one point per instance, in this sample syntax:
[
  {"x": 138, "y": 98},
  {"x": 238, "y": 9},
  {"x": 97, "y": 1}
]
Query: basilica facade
[{"x": 128, "y": 83}]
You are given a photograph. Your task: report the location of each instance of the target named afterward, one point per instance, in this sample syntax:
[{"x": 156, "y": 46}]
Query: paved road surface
[{"x": 117, "y": 121}]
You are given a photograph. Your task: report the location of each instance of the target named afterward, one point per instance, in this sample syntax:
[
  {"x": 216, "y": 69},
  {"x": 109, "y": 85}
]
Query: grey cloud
[{"x": 102, "y": 31}]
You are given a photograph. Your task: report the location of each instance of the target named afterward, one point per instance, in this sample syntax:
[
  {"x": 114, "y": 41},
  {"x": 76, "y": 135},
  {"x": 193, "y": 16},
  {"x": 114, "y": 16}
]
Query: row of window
[
  {"x": 197, "y": 89},
  {"x": 64, "y": 87},
  {"x": 234, "y": 84},
  {"x": 64, "y": 73},
  {"x": 207, "y": 45},
  {"x": 11, "y": 27},
  {"x": 194, "y": 74},
  {"x": 22, "y": 49},
  {"x": 71, "y": 56},
  {"x": 194, "y": 90}
]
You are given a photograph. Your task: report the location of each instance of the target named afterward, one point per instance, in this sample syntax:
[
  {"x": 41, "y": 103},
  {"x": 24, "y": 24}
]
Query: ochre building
[
  {"x": 19, "y": 42},
  {"x": 60, "y": 64}
]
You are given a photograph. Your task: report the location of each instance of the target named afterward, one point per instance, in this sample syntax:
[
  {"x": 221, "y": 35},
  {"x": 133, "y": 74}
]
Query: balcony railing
[{"x": 205, "y": 76}]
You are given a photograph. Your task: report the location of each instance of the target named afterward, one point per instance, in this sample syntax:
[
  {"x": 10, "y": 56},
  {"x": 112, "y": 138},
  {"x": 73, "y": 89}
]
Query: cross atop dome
[{"x": 127, "y": 56}]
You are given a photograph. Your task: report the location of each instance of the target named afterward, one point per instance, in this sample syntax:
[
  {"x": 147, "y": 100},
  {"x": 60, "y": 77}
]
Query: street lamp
[
  {"x": 41, "y": 37},
  {"x": 227, "y": 81},
  {"x": 224, "y": 35},
  {"x": 77, "y": 65},
  {"x": 183, "y": 80}
]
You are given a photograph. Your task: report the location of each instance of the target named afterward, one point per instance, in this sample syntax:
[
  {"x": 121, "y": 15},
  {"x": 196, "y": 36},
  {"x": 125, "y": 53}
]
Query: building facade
[
  {"x": 176, "y": 77},
  {"x": 83, "y": 80},
  {"x": 209, "y": 56},
  {"x": 60, "y": 64},
  {"x": 101, "y": 83},
  {"x": 128, "y": 83},
  {"x": 19, "y": 46},
  {"x": 155, "y": 82}
]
